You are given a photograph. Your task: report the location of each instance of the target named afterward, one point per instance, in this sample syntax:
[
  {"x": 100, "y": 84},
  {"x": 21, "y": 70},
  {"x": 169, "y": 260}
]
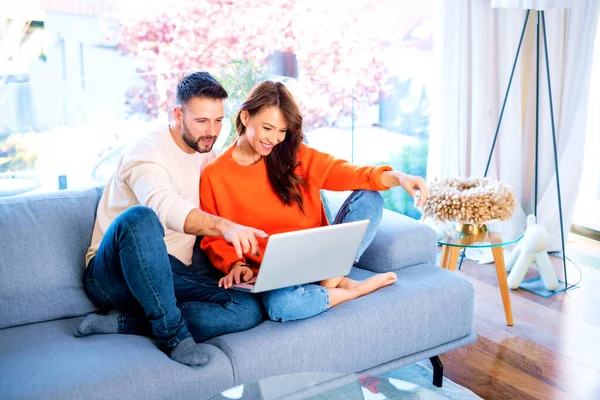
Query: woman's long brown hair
[{"x": 281, "y": 162}]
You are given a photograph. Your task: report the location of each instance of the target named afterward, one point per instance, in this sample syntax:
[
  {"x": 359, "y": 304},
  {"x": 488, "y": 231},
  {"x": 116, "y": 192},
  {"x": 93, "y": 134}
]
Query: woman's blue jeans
[
  {"x": 308, "y": 300},
  {"x": 156, "y": 293}
]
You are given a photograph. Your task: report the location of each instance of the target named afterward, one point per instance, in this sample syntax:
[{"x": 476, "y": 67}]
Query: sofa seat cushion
[
  {"x": 46, "y": 361},
  {"x": 427, "y": 307}
]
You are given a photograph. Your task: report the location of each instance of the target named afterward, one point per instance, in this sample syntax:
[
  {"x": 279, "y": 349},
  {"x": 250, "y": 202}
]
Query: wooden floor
[{"x": 553, "y": 349}]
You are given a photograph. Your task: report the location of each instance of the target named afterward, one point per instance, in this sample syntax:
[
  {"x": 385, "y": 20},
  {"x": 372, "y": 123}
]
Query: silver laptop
[{"x": 308, "y": 255}]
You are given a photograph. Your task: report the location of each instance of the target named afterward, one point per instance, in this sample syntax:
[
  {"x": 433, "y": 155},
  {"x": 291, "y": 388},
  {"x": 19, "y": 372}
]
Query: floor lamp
[{"x": 539, "y": 6}]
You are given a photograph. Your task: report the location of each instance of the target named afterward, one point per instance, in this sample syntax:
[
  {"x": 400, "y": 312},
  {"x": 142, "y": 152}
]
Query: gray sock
[
  {"x": 99, "y": 323},
  {"x": 189, "y": 352}
]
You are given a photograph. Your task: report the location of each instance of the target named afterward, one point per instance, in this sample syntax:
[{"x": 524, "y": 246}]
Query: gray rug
[{"x": 421, "y": 374}]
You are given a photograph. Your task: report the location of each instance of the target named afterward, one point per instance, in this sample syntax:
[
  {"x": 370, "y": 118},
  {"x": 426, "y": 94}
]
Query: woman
[{"x": 270, "y": 180}]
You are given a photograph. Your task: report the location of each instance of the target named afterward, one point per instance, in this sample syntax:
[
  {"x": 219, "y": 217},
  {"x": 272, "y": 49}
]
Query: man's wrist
[{"x": 222, "y": 226}]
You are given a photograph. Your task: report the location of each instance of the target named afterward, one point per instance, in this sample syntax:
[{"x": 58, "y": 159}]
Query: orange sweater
[{"x": 244, "y": 195}]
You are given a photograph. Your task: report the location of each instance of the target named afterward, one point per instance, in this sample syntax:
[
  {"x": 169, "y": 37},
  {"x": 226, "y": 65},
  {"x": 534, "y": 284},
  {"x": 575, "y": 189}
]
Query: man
[{"x": 146, "y": 225}]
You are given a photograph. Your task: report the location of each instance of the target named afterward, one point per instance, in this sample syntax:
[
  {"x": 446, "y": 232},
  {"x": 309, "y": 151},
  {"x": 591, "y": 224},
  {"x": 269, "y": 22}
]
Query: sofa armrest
[{"x": 400, "y": 241}]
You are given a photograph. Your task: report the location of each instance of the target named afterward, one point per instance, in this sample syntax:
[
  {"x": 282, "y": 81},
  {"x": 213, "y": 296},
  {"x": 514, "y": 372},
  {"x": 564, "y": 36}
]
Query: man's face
[{"x": 201, "y": 121}]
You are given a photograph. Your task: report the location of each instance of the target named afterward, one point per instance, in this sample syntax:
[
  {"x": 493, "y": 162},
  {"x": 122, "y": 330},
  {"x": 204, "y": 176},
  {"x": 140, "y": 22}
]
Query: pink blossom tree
[{"x": 337, "y": 47}]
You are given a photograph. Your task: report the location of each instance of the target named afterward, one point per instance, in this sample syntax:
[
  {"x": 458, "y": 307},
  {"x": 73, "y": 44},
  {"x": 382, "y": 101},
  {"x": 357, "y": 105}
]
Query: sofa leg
[{"x": 438, "y": 370}]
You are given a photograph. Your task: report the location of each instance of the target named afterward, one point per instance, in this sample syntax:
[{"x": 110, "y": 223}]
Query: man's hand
[
  {"x": 242, "y": 238},
  {"x": 239, "y": 273}
]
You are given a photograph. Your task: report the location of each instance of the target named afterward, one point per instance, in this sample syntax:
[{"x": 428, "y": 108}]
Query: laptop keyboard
[{"x": 247, "y": 285}]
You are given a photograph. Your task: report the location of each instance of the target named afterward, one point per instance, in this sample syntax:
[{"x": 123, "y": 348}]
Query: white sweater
[{"x": 154, "y": 172}]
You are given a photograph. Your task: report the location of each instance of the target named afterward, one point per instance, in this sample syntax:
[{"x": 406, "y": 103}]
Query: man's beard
[{"x": 196, "y": 143}]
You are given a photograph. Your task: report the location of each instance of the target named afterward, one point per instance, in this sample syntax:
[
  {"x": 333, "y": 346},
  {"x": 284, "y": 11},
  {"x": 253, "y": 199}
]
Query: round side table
[{"x": 454, "y": 241}]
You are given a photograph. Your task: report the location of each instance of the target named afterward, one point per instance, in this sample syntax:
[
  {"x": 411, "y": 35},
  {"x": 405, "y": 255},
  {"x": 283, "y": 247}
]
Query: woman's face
[{"x": 265, "y": 129}]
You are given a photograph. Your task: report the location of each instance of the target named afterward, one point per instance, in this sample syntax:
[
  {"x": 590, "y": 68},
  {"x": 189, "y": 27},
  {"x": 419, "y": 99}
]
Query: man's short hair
[{"x": 199, "y": 84}]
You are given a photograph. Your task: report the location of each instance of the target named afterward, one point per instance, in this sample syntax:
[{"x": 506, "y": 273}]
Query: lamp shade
[{"x": 538, "y": 4}]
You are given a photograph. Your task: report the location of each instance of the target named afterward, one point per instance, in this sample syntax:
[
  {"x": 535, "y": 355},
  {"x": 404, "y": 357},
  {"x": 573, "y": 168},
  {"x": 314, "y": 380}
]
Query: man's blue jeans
[
  {"x": 308, "y": 300},
  {"x": 157, "y": 294}
]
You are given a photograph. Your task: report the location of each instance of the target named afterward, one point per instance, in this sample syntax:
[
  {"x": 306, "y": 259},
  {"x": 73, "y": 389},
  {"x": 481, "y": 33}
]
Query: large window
[
  {"x": 586, "y": 219},
  {"x": 93, "y": 75}
]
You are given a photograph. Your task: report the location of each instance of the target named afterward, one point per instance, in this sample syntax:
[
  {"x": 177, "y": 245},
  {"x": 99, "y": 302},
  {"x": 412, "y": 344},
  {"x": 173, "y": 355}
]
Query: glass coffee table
[
  {"x": 495, "y": 239},
  {"x": 322, "y": 386}
]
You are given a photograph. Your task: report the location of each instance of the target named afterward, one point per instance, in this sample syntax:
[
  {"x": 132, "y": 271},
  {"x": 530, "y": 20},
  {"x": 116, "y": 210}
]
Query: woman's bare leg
[
  {"x": 332, "y": 282},
  {"x": 347, "y": 283},
  {"x": 349, "y": 289}
]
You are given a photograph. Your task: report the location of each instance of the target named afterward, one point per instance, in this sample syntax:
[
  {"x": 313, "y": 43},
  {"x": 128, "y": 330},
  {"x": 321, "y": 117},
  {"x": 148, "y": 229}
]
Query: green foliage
[
  {"x": 415, "y": 118},
  {"x": 404, "y": 111},
  {"x": 238, "y": 78},
  {"x": 411, "y": 160},
  {"x": 15, "y": 158}
]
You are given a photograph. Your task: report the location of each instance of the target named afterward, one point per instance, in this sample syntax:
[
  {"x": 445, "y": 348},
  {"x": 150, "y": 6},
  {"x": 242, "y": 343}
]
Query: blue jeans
[
  {"x": 308, "y": 300},
  {"x": 156, "y": 293}
]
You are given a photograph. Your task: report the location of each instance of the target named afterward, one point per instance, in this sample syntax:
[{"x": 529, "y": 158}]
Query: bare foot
[
  {"x": 348, "y": 289},
  {"x": 347, "y": 283},
  {"x": 375, "y": 282}
]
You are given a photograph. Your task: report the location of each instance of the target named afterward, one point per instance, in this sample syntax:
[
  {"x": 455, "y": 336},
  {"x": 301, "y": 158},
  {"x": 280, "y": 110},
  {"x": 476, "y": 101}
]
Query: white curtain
[
  {"x": 538, "y": 4},
  {"x": 476, "y": 46}
]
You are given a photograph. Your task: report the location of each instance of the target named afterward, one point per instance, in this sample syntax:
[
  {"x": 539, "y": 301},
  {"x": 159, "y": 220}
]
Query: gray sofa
[{"x": 43, "y": 239}]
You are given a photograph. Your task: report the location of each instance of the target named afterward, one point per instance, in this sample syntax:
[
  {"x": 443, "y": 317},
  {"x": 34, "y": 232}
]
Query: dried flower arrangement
[{"x": 469, "y": 200}]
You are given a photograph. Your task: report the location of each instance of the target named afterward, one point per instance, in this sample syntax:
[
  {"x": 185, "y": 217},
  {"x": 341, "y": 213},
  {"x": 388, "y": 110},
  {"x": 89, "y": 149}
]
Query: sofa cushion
[
  {"x": 427, "y": 307},
  {"x": 400, "y": 240},
  {"x": 43, "y": 240},
  {"x": 45, "y": 360}
]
